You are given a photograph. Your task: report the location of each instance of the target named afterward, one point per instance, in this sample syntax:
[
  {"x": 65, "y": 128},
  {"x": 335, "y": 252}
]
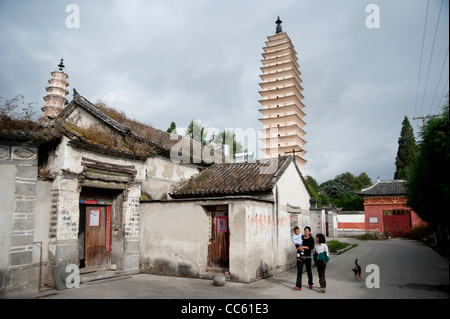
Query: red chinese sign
[
  {"x": 222, "y": 224},
  {"x": 108, "y": 226}
]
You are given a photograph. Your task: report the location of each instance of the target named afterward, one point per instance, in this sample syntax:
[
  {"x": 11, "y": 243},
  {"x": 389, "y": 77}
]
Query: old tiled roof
[
  {"x": 235, "y": 179},
  {"x": 162, "y": 141},
  {"x": 34, "y": 136},
  {"x": 381, "y": 188}
]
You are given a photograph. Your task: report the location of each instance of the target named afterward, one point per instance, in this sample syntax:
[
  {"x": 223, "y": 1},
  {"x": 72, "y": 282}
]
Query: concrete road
[{"x": 407, "y": 269}]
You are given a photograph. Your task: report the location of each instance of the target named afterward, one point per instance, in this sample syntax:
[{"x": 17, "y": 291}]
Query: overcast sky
[{"x": 178, "y": 60}]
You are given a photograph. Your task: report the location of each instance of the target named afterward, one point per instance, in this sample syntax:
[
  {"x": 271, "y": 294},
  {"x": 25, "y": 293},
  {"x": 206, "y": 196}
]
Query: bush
[
  {"x": 419, "y": 232},
  {"x": 368, "y": 236}
]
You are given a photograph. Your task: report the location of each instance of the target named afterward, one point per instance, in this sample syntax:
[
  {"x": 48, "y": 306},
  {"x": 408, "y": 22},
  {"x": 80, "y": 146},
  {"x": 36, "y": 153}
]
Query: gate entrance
[
  {"x": 97, "y": 214},
  {"x": 398, "y": 222},
  {"x": 219, "y": 240}
]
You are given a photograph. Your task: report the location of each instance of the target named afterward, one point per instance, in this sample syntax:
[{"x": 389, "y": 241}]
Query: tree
[
  {"x": 363, "y": 181},
  {"x": 341, "y": 190},
  {"x": 172, "y": 128},
  {"x": 316, "y": 192},
  {"x": 16, "y": 114},
  {"x": 428, "y": 185},
  {"x": 228, "y": 137},
  {"x": 407, "y": 148},
  {"x": 197, "y": 131}
]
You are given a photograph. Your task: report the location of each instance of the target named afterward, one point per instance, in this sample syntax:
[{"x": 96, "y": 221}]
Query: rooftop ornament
[
  {"x": 278, "y": 22},
  {"x": 61, "y": 65}
]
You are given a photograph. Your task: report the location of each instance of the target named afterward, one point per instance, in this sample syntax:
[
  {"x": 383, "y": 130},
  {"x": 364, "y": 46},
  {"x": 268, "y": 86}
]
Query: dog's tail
[{"x": 356, "y": 262}]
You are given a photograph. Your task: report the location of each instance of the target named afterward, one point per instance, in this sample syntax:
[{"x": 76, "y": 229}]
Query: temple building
[{"x": 281, "y": 93}]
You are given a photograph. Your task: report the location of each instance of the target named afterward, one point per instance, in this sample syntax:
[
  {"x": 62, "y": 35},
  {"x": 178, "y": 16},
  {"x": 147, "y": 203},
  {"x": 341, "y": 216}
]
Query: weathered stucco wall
[
  {"x": 262, "y": 240},
  {"x": 292, "y": 192},
  {"x": 8, "y": 174},
  {"x": 174, "y": 235},
  {"x": 18, "y": 195},
  {"x": 161, "y": 174},
  {"x": 173, "y": 238}
]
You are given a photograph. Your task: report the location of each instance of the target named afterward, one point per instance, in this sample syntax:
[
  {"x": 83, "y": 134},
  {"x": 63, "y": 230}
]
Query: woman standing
[
  {"x": 321, "y": 257},
  {"x": 307, "y": 246}
]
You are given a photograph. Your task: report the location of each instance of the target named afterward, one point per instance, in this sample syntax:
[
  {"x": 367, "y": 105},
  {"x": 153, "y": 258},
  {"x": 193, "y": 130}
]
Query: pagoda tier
[{"x": 282, "y": 106}]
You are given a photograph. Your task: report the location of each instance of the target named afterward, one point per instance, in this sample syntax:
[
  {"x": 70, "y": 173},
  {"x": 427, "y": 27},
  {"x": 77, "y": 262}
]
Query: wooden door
[
  {"x": 96, "y": 254},
  {"x": 219, "y": 241},
  {"x": 398, "y": 222}
]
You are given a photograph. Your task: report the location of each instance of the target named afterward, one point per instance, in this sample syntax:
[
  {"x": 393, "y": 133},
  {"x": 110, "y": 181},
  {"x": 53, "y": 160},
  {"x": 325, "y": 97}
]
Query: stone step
[
  {"x": 98, "y": 275},
  {"x": 210, "y": 275}
]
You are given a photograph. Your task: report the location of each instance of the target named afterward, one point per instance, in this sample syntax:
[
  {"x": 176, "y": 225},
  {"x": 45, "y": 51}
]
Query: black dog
[{"x": 357, "y": 270}]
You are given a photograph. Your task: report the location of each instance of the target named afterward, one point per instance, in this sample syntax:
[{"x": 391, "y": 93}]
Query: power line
[
  {"x": 421, "y": 56},
  {"x": 431, "y": 56},
  {"x": 442, "y": 95},
  {"x": 442, "y": 69},
  {"x": 364, "y": 156},
  {"x": 353, "y": 159}
]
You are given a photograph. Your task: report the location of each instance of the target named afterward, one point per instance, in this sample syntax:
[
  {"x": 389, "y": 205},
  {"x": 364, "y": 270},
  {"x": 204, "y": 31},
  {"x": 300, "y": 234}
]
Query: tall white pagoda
[{"x": 281, "y": 93}]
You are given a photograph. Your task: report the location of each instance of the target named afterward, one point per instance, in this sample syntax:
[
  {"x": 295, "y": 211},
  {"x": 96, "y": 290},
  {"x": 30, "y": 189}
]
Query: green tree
[
  {"x": 172, "y": 128},
  {"x": 407, "y": 148},
  {"x": 316, "y": 192},
  {"x": 363, "y": 181},
  {"x": 428, "y": 184},
  {"x": 341, "y": 190},
  {"x": 228, "y": 137},
  {"x": 197, "y": 131}
]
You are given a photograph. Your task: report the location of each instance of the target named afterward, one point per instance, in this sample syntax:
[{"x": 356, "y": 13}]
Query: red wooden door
[
  {"x": 399, "y": 223},
  {"x": 219, "y": 241},
  {"x": 96, "y": 254}
]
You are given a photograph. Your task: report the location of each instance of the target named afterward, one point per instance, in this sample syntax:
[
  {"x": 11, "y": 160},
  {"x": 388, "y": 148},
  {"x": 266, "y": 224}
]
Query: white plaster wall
[
  {"x": 7, "y": 181},
  {"x": 262, "y": 242},
  {"x": 174, "y": 238},
  {"x": 292, "y": 190},
  {"x": 317, "y": 222},
  {"x": 85, "y": 120},
  {"x": 161, "y": 174},
  {"x": 41, "y": 211},
  {"x": 351, "y": 218}
]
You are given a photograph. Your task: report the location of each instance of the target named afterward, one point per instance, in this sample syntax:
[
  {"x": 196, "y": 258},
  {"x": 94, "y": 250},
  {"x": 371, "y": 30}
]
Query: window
[
  {"x": 373, "y": 220},
  {"x": 396, "y": 212}
]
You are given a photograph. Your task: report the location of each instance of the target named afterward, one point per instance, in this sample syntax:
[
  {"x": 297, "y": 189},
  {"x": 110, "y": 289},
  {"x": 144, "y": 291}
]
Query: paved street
[{"x": 408, "y": 269}]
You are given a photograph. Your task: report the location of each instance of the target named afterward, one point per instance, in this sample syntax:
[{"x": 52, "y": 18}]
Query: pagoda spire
[{"x": 278, "y": 22}]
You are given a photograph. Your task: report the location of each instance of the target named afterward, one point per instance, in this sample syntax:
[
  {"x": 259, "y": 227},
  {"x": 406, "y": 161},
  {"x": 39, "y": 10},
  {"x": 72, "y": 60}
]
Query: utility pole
[
  {"x": 424, "y": 117},
  {"x": 293, "y": 152}
]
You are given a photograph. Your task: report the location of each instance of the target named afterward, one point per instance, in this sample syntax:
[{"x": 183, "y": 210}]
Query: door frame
[{"x": 214, "y": 262}]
